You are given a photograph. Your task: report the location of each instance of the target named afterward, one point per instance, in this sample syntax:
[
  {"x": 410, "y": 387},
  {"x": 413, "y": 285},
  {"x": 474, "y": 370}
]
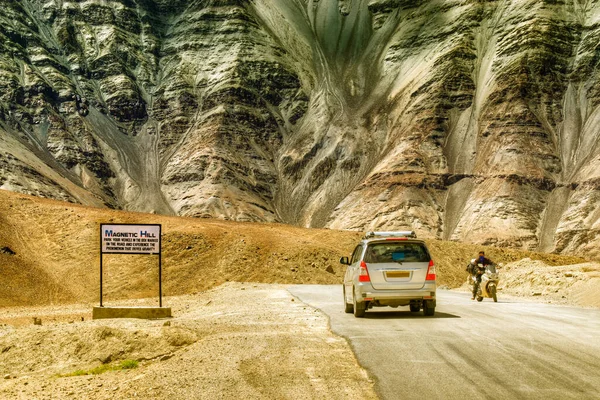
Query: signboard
[{"x": 130, "y": 239}]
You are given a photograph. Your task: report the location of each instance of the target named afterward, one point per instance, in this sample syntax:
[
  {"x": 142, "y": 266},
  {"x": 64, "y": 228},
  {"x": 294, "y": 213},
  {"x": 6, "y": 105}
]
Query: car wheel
[
  {"x": 415, "y": 308},
  {"x": 428, "y": 310},
  {"x": 348, "y": 307},
  {"x": 359, "y": 308}
]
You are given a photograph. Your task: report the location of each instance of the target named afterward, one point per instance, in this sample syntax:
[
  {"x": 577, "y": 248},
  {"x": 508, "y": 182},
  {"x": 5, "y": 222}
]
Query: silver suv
[{"x": 389, "y": 269}]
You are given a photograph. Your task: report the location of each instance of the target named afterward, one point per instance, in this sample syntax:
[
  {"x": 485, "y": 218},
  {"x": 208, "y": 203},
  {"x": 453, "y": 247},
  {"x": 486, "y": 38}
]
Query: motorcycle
[{"x": 489, "y": 283}]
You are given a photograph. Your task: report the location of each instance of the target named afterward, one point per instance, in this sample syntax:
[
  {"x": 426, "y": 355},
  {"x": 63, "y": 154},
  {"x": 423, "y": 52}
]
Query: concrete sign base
[{"x": 131, "y": 312}]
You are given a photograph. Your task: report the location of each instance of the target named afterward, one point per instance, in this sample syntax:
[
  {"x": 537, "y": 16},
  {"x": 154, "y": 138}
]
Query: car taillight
[
  {"x": 430, "y": 272},
  {"x": 363, "y": 273}
]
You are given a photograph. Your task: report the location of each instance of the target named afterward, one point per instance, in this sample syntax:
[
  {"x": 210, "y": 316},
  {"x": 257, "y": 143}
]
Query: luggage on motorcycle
[{"x": 470, "y": 268}]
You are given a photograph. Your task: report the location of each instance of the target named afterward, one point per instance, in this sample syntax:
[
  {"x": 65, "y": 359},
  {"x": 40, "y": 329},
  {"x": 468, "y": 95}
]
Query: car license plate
[{"x": 397, "y": 274}]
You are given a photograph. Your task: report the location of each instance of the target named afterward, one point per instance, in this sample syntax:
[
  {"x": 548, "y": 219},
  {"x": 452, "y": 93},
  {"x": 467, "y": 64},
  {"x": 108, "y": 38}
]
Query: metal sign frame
[{"x": 102, "y": 252}]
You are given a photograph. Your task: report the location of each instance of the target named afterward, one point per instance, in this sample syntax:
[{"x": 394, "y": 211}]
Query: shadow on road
[{"x": 405, "y": 315}]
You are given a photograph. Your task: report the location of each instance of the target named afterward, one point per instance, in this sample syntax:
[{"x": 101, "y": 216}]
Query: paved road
[{"x": 470, "y": 350}]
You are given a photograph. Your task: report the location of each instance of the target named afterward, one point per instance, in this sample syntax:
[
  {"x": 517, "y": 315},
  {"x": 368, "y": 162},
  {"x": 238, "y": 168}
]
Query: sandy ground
[
  {"x": 227, "y": 339},
  {"x": 576, "y": 285},
  {"x": 236, "y": 341}
]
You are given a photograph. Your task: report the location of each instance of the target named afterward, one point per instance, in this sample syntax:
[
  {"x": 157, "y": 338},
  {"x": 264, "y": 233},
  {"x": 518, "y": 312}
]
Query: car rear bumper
[{"x": 366, "y": 292}]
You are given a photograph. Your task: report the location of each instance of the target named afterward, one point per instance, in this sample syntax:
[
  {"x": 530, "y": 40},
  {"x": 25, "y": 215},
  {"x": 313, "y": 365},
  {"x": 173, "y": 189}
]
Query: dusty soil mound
[
  {"x": 236, "y": 341},
  {"x": 56, "y": 254},
  {"x": 577, "y": 284},
  {"x": 52, "y": 254}
]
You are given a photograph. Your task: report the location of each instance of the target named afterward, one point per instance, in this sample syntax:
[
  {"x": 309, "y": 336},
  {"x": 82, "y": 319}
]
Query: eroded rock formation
[{"x": 464, "y": 120}]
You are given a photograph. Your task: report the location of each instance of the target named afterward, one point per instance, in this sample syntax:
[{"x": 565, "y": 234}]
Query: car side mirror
[{"x": 344, "y": 260}]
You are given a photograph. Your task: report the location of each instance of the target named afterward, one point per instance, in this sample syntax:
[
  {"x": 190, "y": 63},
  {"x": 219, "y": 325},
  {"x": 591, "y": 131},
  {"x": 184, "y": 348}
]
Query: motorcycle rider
[{"x": 479, "y": 271}]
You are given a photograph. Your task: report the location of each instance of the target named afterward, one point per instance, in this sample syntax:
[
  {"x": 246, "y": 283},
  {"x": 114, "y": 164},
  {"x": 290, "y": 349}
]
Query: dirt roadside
[
  {"x": 251, "y": 341},
  {"x": 227, "y": 339},
  {"x": 573, "y": 285}
]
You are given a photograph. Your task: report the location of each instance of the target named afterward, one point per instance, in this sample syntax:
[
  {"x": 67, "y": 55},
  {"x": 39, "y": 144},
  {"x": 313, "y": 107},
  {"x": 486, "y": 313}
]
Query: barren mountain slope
[{"x": 471, "y": 121}]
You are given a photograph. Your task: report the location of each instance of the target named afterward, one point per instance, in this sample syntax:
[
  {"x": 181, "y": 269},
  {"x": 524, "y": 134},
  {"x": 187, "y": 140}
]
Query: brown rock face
[{"x": 462, "y": 120}]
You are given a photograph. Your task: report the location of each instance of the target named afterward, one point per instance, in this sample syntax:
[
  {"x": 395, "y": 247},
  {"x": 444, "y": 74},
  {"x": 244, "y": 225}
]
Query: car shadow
[{"x": 406, "y": 315}]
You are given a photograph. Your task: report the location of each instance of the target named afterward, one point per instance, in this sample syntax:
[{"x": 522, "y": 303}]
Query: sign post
[{"x": 131, "y": 239}]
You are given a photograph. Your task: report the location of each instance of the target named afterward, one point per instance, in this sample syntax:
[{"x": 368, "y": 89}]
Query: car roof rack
[{"x": 406, "y": 234}]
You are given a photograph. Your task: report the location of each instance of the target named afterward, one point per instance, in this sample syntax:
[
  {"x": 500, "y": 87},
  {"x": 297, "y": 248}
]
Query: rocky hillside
[{"x": 465, "y": 120}]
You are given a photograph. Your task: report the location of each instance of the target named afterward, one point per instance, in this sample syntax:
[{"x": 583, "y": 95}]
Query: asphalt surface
[{"x": 507, "y": 350}]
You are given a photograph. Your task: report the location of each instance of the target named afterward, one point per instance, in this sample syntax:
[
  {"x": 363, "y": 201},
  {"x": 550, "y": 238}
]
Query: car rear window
[{"x": 387, "y": 252}]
